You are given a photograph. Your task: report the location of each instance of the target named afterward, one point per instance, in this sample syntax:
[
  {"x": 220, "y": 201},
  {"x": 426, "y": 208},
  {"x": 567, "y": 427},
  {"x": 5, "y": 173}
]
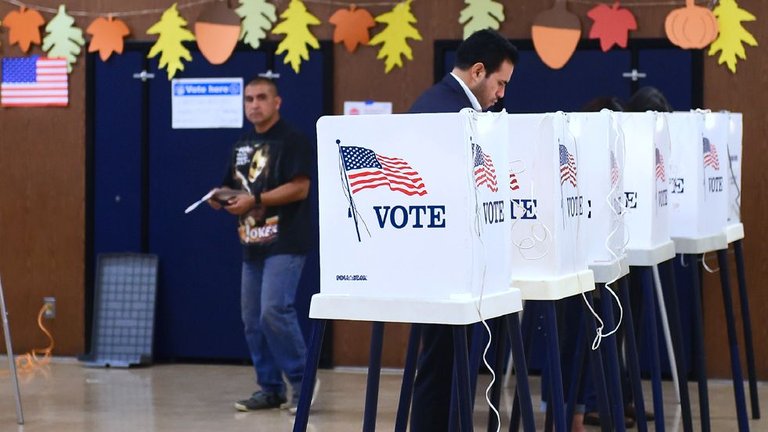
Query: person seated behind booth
[
  {"x": 270, "y": 169},
  {"x": 483, "y": 67}
]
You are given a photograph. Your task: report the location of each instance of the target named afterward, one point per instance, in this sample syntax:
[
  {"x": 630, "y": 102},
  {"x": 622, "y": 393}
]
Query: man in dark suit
[{"x": 483, "y": 67}]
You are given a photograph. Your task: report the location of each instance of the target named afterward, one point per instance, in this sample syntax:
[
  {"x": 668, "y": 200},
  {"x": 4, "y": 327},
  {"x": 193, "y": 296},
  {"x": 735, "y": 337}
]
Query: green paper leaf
[
  {"x": 258, "y": 17},
  {"x": 481, "y": 15},
  {"x": 63, "y": 39}
]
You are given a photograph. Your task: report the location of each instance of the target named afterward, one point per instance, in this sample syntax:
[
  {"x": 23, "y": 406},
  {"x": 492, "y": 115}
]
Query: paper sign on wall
[
  {"x": 201, "y": 103},
  {"x": 367, "y": 107}
]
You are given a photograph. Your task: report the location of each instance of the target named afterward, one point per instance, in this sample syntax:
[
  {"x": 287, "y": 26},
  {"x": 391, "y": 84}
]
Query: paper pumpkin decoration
[
  {"x": 107, "y": 36},
  {"x": 611, "y": 25},
  {"x": 63, "y": 38},
  {"x": 732, "y": 34},
  {"x": 691, "y": 27},
  {"x": 217, "y": 30},
  {"x": 351, "y": 27},
  {"x": 172, "y": 32},
  {"x": 295, "y": 27},
  {"x": 394, "y": 38},
  {"x": 481, "y": 15},
  {"x": 24, "y": 27},
  {"x": 555, "y": 34},
  {"x": 258, "y": 17}
]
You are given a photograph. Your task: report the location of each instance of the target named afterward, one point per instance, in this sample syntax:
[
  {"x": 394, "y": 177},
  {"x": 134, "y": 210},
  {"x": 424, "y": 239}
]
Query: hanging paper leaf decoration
[
  {"x": 394, "y": 38},
  {"x": 63, "y": 38},
  {"x": 172, "y": 32},
  {"x": 108, "y": 34},
  {"x": 691, "y": 27},
  {"x": 732, "y": 34},
  {"x": 555, "y": 34},
  {"x": 480, "y": 15},
  {"x": 258, "y": 17},
  {"x": 295, "y": 27},
  {"x": 24, "y": 26},
  {"x": 217, "y": 30},
  {"x": 351, "y": 27},
  {"x": 612, "y": 25}
]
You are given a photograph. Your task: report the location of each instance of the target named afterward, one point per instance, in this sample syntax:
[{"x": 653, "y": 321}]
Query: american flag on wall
[
  {"x": 567, "y": 167},
  {"x": 485, "y": 172},
  {"x": 34, "y": 81},
  {"x": 660, "y": 173},
  {"x": 710, "y": 156},
  {"x": 367, "y": 170},
  {"x": 614, "y": 171}
]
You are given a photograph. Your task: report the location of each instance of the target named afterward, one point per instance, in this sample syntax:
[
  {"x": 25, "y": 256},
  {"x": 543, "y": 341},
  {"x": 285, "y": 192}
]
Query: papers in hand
[{"x": 221, "y": 195}]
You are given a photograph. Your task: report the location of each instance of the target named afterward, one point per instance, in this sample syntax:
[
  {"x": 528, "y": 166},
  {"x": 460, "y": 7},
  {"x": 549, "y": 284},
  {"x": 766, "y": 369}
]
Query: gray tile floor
[{"x": 66, "y": 397}]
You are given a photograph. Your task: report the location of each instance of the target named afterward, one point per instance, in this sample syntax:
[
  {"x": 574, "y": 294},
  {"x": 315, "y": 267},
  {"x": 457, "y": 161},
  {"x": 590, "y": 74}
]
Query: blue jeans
[{"x": 275, "y": 341}]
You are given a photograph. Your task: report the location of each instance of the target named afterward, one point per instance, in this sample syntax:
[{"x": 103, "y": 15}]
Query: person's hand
[
  {"x": 240, "y": 204},
  {"x": 212, "y": 202}
]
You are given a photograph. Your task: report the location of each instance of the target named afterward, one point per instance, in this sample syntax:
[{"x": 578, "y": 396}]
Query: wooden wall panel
[{"x": 42, "y": 166}]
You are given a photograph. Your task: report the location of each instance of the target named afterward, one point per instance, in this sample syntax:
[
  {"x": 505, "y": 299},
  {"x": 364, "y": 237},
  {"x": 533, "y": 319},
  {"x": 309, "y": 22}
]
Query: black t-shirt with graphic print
[{"x": 261, "y": 162}]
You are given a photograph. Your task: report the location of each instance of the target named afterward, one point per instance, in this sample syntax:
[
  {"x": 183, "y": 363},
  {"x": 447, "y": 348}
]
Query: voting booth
[
  {"x": 600, "y": 144},
  {"x": 646, "y": 195},
  {"x": 735, "y": 229},
  {"x": 549, "y": 259},
  {"x": 699, "y": 181},
  {"x": 414, "y": 218}
]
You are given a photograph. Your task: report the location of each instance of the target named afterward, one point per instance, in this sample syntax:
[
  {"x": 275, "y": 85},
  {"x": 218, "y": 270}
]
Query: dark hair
[
  {"x": 487, "y": 47},
  {"x": 263, "y": 80},
  {"x": 648, "y": 99},
  {"x": 599, "y": 103}
]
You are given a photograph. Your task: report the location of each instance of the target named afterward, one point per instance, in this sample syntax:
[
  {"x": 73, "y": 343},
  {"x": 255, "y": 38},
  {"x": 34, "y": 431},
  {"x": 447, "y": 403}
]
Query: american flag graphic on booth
[
  {"x": 710, "y": 156},
  {"x": 660, "y": 173},
  {"x": 614, "y": 170},
  {"x": 34, "y": 81},
  {"x": 485, "y": 172},
  {"x": 567, "y": 167},
  {"x": 368, "y": 170},
  {"x": 513, "y": 184}
]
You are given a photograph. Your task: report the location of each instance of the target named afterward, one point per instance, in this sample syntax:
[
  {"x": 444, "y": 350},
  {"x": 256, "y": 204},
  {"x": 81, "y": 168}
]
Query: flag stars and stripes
[
  {"x": 368, "y": 170},
  {"x": 660, "y": 172},
  {"x": 567, "y": 167},
  {"x": 34, "y": 81},
  {"x": 710, "y": 155},
  {"x": 485, "y": 172}
]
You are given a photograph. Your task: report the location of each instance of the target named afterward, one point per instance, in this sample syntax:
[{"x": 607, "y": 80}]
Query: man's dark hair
[
  {"x": 487, "y": 47},
  {"x": 263, "y": 80},
  {"x": 648, "y": 99}
]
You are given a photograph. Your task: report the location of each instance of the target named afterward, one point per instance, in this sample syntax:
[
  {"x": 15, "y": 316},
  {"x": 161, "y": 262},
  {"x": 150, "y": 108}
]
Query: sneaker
[
  {"x": 293, "y": 406},
  {"x": 260, "y": 400}
]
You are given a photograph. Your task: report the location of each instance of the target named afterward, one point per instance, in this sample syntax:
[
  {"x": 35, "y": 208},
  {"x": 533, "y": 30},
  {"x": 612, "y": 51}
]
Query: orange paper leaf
[
  {"x": 108, "y": 35},
  {"x": 24, "y": 27},
  {"x": 352, "y": 27},
  {"x": 612, "y": 25}
]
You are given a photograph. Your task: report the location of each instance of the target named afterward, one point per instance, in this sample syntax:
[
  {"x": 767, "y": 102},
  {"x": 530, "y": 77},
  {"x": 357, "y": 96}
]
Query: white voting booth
[
  {"x": 600, "y": 145},
  {"x": 735, "y": 229},
  {"x": 699, "y": 181},
  {"x": 646, "y": 194},
  {"x": 414, "y": 218},
  {"x": 549, "y": 259}
]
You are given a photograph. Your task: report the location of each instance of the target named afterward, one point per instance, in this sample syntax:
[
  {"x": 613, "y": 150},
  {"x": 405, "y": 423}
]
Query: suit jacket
[{"x": 443, "y": 97}]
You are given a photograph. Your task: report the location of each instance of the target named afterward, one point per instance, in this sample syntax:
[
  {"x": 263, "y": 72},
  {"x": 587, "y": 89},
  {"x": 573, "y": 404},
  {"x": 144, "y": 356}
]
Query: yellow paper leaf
[
  {"x": 394, "y": 37},
  {"x": 295, "y": 27},
  {"x": 481, "y": 15},
  {"x": 732, "y": 34},
  {"x": 258, "y": 17},
  {"x": 172, "y": 32},
  {"x": 63, "y": 39}
]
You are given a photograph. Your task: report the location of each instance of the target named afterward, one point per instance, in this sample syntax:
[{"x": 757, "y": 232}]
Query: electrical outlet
[{"x": 50, "y": 307}]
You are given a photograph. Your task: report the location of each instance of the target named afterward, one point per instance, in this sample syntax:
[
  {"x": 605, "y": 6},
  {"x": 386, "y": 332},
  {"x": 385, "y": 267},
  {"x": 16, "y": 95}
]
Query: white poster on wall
[
  {"x": 203, "y": 103},
  {"x": 367, "y": 107}
]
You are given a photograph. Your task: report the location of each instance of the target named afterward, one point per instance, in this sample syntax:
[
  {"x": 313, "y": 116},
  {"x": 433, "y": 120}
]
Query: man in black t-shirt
[{"x": 269, "y": 178}]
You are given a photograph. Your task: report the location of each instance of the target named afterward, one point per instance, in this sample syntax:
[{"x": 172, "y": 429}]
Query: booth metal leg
[
  {"x": 611, "y": 352},
  {"x": 461, "y": 368},
  {"x": 698, "y": 345},
  {"x": 525, "y": 327},
  {"x": 374, "y": 373},
  {"x": 553, "y": 361},
  {"x": 667, "y": 274},
  {"x": 310, "y": 374},
  {"x": 11, "y": 360},
  {"x": 664, "y": 315},
  {"x": 577, "y": 364},
  {"x": 598, "y": 373},
  {"x": 747, "y": 324},
  {"x": 409, "y": 374},
  {"x": 633, "y": 362},
  {"x": 649, "y": 312},
  {"x": 500, "y": 330},
  {"x": 523, "y": 393},
  {"x": 738, "y": 380}
]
